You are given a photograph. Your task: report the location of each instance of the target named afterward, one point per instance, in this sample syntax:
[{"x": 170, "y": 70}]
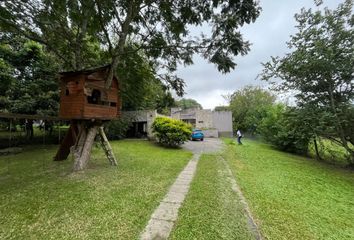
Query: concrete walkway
[{"x": 164, "y": 217}]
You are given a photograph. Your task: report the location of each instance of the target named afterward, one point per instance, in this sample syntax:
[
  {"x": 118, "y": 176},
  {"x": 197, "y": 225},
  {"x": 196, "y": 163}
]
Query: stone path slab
[{"x": 164, "y": 217}]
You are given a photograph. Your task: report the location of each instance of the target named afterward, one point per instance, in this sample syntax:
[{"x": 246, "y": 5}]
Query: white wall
[{"x": 222, "y": 121}]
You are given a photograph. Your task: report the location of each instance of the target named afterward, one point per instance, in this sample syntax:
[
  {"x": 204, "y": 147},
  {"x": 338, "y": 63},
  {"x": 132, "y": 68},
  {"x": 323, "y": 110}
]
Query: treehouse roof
[{"x": 105, "y": 68}]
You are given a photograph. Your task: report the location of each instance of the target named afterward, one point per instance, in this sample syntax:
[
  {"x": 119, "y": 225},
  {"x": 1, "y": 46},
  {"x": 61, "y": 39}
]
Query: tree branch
[
  {"x": 121, "y": 42},
  {"x": 105, "y": 32}
]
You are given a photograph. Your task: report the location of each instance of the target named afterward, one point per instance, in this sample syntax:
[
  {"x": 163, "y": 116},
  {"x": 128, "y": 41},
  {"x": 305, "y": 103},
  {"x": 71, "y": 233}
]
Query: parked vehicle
[{"x": 197, "y": 135}]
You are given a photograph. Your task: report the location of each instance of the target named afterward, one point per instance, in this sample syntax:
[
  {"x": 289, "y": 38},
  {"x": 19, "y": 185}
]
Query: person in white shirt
[{"x": 239, "y": 136}]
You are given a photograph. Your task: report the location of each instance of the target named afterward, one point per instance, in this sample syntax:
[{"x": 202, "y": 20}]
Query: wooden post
[{"x": 68, "y": 141}]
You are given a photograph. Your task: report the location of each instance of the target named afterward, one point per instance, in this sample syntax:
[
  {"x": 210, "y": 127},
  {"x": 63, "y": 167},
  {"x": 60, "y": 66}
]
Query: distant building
[
  {"x": 141, "y": 122},
  {"x": 213, "y": 123}
]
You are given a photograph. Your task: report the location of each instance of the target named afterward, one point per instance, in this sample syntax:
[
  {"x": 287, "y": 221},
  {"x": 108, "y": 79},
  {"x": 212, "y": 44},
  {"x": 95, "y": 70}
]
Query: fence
[{"x": 20, "y": 129}]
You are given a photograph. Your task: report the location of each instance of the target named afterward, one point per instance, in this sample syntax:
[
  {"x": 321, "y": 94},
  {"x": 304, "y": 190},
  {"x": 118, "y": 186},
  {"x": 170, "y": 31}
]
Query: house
[
  {"x": 141, "y": 122},
  {"x": 213, "y": 123}
]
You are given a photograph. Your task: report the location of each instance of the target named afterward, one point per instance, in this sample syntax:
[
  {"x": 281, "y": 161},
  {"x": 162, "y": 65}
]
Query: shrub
[
  {"x": 171, "y": 132},
  {"x": 117, "y": 129},
  {"x": 285, "y": 129}
]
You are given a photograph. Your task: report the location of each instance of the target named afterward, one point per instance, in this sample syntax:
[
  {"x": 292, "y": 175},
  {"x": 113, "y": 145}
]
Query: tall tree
[
  {"x": 29, "y": 84},
  {"x": 160, "y": 29},
  {"x": 249, "y": 105},
  {"x": 320, "y": 70},
  {"x": 28, "y": 81}
]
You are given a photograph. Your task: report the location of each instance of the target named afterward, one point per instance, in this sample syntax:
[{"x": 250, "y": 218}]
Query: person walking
[{"x": 239, "y": 136}]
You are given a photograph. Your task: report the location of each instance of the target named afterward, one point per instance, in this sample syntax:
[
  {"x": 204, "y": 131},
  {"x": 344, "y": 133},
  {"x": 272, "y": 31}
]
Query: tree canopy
[
  {"x": 141, "y": 89},
  {"x": 249, "y": 106},
  {"x": 320, "y": 70},
  {"x": 28, "y": 78},
  {"x": 74, "y": 29},
  {"x": 29, "y": 83},
  {"x": 187, "y": 103}
]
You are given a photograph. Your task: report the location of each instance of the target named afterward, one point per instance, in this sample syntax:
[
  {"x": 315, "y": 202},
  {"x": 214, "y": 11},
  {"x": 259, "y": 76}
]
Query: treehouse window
[
  {"x": 67, "y": 92},
  {"x": 95, "y": 97}
]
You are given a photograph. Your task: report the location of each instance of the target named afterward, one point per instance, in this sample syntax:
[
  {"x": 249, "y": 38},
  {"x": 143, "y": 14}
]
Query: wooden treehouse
[
  {"x": 86, "y": 102},
  {"x": 83, "y": 96}
]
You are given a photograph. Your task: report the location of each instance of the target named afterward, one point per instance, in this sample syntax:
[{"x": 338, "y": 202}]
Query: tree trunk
[
  {"x": 76, "y": 150},
  {"x": 79, "y": 141},
  {"x": 316, "y": 149},
  {"x": 82, "y": 151},
  {"x": 121, "y": 42},
  {"x": 339, "y": 128}
]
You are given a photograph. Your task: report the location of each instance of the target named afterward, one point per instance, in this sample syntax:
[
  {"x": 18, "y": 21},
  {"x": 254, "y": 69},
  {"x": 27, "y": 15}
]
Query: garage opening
[{"x": 137, "y": 130}]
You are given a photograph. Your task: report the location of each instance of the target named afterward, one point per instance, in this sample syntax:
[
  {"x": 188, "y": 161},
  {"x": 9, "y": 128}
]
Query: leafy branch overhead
[{"x": 160, "y": 29}]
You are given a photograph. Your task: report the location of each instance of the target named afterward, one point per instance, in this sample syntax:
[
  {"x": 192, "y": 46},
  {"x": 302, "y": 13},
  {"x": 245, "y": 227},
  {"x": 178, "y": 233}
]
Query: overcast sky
[{"x": 268, "y": 36}]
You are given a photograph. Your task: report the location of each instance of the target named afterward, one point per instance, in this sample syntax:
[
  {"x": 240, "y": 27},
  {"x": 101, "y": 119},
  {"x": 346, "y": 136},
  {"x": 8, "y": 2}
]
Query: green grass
[
  {"x": 41, "y": 199},
  {"x": 294, "y": 197},
  {"x": 211, "y": 210}
]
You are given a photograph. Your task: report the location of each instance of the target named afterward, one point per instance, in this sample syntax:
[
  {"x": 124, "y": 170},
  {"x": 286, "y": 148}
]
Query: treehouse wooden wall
[
  {"x": 76, "y": 88},
  {"x": 72, "y": 98}
]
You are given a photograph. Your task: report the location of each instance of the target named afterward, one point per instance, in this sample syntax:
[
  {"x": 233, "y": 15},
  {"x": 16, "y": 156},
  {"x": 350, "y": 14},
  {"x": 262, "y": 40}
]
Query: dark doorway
[{"x": 137, "y": 130}]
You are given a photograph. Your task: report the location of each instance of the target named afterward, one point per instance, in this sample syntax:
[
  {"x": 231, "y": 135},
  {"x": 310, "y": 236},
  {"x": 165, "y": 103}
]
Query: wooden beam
[
  {"x": 67, "y": 143},
  {"x": 28, "y": 116},
  {"x": 49, "y": 118}
]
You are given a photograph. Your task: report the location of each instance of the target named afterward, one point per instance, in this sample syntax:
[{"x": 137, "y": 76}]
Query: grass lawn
[
  {"x": 211, "y": 210},
  {"x": 42, "y": 199},
  {"x": 293, "y": 197}
]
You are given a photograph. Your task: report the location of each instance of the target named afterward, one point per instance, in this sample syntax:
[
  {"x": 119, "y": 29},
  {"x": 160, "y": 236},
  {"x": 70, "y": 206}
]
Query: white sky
[{"x": 268, "y": 36}]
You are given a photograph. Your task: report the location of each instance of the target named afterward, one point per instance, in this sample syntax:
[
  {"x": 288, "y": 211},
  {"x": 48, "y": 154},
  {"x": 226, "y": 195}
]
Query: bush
[
  {"x": 285, "y": 129},
  {"x": 171, "y": 132},
  {"x": 117, "y": 129}
]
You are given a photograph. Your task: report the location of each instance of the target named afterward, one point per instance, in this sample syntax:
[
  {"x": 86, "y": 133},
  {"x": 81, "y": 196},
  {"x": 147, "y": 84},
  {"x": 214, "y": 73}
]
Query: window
[{"x": 95, "y": 97}]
